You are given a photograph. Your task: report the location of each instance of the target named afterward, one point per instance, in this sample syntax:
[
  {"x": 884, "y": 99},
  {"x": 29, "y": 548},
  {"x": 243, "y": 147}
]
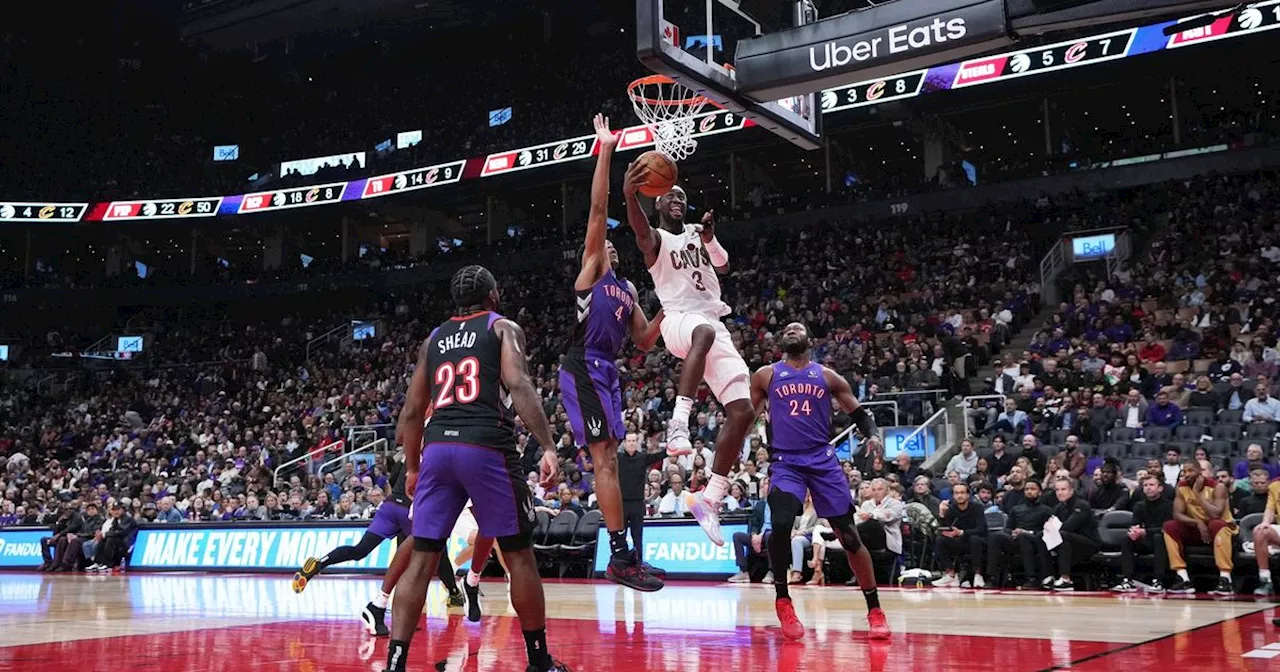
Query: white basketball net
[{"x": 668, "y": 109}]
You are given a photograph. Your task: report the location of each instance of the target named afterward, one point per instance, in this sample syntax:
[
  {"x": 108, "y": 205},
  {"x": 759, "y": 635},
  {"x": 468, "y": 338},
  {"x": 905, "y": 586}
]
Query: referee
[{"x": 632, "y": 467}]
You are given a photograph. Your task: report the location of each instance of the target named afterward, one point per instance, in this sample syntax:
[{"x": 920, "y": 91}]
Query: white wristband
[{"x": 719, "y": 257}]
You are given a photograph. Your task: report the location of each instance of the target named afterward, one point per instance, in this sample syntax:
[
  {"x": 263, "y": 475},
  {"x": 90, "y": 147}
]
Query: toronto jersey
[
  {"x": 464, "y": 369},
  {"x": 604, "y": 311},
  {"x": 799, "y": 408},
  {"x": 683, "y": 277}
]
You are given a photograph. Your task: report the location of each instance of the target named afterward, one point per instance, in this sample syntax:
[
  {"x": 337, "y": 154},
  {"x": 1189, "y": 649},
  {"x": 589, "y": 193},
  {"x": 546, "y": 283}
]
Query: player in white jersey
[{"x": 686, "y": 261}]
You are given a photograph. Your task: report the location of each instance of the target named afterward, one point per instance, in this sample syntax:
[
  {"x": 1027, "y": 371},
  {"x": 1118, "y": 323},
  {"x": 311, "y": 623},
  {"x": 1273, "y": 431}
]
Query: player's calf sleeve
[{"x": 360, "y": 551}]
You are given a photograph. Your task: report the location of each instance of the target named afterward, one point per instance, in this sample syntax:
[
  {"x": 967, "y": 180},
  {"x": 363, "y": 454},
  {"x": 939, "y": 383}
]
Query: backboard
[{"x": 695, "y": 42}]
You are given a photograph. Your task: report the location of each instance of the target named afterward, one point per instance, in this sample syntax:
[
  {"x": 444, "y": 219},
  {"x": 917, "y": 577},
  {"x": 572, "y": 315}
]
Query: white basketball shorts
[{"x": 726, "y": 372}]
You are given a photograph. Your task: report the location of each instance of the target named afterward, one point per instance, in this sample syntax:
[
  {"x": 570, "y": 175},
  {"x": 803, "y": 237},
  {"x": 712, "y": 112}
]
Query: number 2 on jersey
[
  {"x": 467, "y": 376},
  {"x": 797, "y": 407}
]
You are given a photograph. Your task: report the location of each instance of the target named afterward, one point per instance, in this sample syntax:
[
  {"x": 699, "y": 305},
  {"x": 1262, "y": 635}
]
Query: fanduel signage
[{"x": 879, "y": 41}]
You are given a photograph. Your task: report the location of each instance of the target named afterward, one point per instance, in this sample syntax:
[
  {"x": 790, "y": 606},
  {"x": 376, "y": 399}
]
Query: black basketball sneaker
[
  {"x": 627, "y": 570},
  {"x": 375, "y": 620},
  {"x": 309, "y": 569},
  {"x": 473, "y": 600}
]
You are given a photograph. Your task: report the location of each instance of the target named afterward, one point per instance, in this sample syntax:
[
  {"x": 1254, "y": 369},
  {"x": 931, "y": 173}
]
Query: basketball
[{"x": 662, "y": 173}]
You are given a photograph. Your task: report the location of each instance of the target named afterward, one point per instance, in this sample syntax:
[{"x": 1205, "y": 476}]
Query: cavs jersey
[{"x": 683, "y": 277}]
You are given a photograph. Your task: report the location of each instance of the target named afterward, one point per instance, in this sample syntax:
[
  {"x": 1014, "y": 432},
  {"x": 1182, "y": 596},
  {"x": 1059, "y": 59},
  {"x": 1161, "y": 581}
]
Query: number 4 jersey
[
  {"x": 464, "y": 368},
  {"x": 683, "y": 277}
]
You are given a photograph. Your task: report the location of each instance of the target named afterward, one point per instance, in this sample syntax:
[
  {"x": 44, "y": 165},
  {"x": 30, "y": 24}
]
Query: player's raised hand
[
  {"x": 707, "y": 227},
  {"x": 636, "y": 175},
  {"x": 603, "y": 134},
  {"x": 549, "y": 469}
]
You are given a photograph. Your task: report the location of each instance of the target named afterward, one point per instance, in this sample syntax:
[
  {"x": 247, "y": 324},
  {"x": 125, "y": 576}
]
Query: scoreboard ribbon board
[{"x": 42, "y": 212}]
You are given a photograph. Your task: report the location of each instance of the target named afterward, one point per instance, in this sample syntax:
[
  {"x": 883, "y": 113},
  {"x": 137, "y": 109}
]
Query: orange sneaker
[
  {"x": 878, "y": 627},
  {"x": 792, "y": 628}
]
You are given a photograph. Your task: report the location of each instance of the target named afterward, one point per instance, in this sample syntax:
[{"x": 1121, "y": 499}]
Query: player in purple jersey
[
  {"x": 608, "y": 310},
  {"x": 473, "y": 371},
  {"x": 798, "y": 393}
]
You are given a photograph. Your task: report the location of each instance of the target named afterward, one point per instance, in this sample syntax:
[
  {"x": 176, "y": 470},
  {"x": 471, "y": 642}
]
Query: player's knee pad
[
  {"x": 428, "y": 545},
  {"x": 516, "y": 542},
  {"x": 784, "y": 508}
]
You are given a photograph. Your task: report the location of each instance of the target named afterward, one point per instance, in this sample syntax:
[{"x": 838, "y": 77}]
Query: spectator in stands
[
  {"x": 1032, "y": 454},
  {"x": 1164, "y": 413},
  {"x": 1172, "y": 467},
  {"x": 1011, "y": 420},
  {"x": 802, "y": 540},
  {"x": 1254, "y": 459},
  {"x": 922, "y": 493},
  {"x": 1152, "y": 351},
  {"x": 1150, "y": 513},
  {"x": 946, "y": 492},
  {"x": 999, "y": 461},
  {"x": 1236, "y": 396},
  {"x": 754, "y": 542},
  {"x": 116, "y": 534},
  {"x": 1253, "y": 500},
  {"x": 1134, "y": 412},
  {"x": 1071, "y": 458},
  {"x": 965, "y": 463},
  {"x": 1263, "y": 407},
  {"x": 903, "y": 467},
  {"x": 879, "y": 519},
  {"x": 1224, "y": 366},
  {"x": 1204, "y": 396},
  {"x": 1201, "y": 513},
  {"x": 962, "y": 534},
  {"x": 1177, "y": 391},
  {"x": 1079, "y": 534},
  {"x": 168, "y": 514},
  {"x": 1100, "y": 419},
  {"x": 1109, "y": 494},
  {"x": 673, "y": 503},
  {"x": 1026, "y": 518},
  {"x": 52, "y": 547}
]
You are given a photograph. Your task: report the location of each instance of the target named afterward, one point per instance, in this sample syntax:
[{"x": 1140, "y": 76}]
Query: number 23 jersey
[
  {"x": 683, "y": 277},
  {"x": 464, "y": 369}
]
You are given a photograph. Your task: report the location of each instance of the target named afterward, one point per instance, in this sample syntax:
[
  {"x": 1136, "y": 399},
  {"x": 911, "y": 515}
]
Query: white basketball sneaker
[
  {"x": 678, "y": 442},
  {"x": 708, "y": 516}
]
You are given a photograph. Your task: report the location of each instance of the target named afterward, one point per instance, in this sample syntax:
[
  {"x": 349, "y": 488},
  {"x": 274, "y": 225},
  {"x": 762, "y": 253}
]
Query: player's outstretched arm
[
  {"x": 646, "y": 239},
  {"x": 515, "y": 376},
  {"x": 409, "y": 426},
  {"x": 719, "y": 257},
  {"x": 843, "y": 395},
  {"x": 595, "y": 257},
  {"x": 760, "y": 388},
  {"x": 644, "y": 331}
]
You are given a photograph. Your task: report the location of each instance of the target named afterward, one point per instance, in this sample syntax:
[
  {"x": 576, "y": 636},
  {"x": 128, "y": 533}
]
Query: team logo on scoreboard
[
  {"x": 46, "y": 212},
  {"x": 875, "y": 91},
  {"x": 560, "y": 151},
  {"x": 1048, "y": 58}
]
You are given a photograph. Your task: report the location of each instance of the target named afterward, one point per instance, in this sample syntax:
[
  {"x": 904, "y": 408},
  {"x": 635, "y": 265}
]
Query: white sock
[
  {"x": 1182, "y": 574},
  {"x": 716, "y": 487},
  {"x": 1225, "y": 575},
  {"x": 681, "y": 413},
  {"x": 381, "y": 600},
  {"x": 473, "y": 579},
  {"x": 1264, "y": 575}
]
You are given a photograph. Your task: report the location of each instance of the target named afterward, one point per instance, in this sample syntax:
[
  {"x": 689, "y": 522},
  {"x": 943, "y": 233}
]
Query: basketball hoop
[{"x": 667, "y": 107}]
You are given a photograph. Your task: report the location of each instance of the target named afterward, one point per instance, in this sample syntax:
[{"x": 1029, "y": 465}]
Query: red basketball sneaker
[
  {"x": 792, "y": 628},
  {"x": 878, "y": 627}
]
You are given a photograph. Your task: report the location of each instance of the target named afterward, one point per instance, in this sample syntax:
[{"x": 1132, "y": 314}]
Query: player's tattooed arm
[
  {"x": 843, "y": 395},
  {"x": 412, "y": 414},
  {"x": 646, "y": 239},
  {"x": 760, "y": 388},
  {"x": 595, "y": 256},
  {"x": 515, "y": 376}
]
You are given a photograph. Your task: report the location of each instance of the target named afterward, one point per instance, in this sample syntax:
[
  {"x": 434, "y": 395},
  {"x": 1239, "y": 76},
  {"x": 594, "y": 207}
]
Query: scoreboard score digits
[{"x": 46, "y": 212}]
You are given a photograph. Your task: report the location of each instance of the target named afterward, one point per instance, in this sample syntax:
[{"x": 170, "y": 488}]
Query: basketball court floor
[{"x": 178, "y": 622}]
